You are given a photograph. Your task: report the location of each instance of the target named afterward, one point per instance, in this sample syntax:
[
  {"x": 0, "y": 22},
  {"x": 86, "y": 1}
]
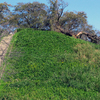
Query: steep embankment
[{"x": 47, "y": 65}]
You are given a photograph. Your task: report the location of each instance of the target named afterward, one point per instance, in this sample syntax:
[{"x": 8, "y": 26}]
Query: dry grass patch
[{"x": 86, "y": 52}]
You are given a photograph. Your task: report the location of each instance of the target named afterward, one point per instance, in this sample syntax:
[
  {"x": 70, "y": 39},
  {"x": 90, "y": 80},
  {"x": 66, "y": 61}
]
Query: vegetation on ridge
[
  {"x": 46, "y": 17},
  {"x": 49, "y": 65}
]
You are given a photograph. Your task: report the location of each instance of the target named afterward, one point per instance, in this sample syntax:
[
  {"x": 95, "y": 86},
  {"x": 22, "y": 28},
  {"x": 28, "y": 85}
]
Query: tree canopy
[{"x": 40, "y": 16}]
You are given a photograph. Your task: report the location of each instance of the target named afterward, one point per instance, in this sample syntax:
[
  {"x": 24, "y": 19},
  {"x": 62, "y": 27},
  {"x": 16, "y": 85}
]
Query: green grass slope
[{"x": 43, "y": 65}]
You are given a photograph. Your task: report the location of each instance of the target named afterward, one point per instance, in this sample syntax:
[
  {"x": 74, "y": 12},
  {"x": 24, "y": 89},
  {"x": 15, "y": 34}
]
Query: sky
[{"x": 90, "y": 7}]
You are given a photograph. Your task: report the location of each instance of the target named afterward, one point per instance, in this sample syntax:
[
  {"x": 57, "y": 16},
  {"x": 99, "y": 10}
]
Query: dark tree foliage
[
  {"x": 40, "y": 16},
  {"x": 4, "y": 19},
  {"x": 56, "y": 10},
  {"x": 73, "y": 22},
  {"x": 31, "y": 15}
]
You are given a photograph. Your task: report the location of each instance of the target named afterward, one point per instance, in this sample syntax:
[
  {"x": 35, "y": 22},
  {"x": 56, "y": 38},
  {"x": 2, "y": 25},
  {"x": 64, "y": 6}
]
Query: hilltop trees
[
  {"x": 31, "y": 15},
  {"x": 4, "y": 12},
  {"x": 73, "y": 21},
  {"x": 56, "y": 10},
  {"x": 40, "y": 16},
  {"x": 4, "y": 18}
]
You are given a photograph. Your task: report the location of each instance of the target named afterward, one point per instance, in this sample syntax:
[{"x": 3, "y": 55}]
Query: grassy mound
[{"x": 43, "y": 65}]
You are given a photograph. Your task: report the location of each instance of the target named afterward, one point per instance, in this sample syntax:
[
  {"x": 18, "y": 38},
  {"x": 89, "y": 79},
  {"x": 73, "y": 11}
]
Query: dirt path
[{"x": 4, "y": 44}]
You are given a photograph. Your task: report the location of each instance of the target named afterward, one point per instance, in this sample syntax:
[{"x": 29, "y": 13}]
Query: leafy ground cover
[{"x": 43, "y": 65}]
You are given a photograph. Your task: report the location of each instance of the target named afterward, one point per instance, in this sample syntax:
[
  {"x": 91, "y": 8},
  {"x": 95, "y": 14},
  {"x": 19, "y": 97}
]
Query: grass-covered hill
[{"x": 46, "y": 65}]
